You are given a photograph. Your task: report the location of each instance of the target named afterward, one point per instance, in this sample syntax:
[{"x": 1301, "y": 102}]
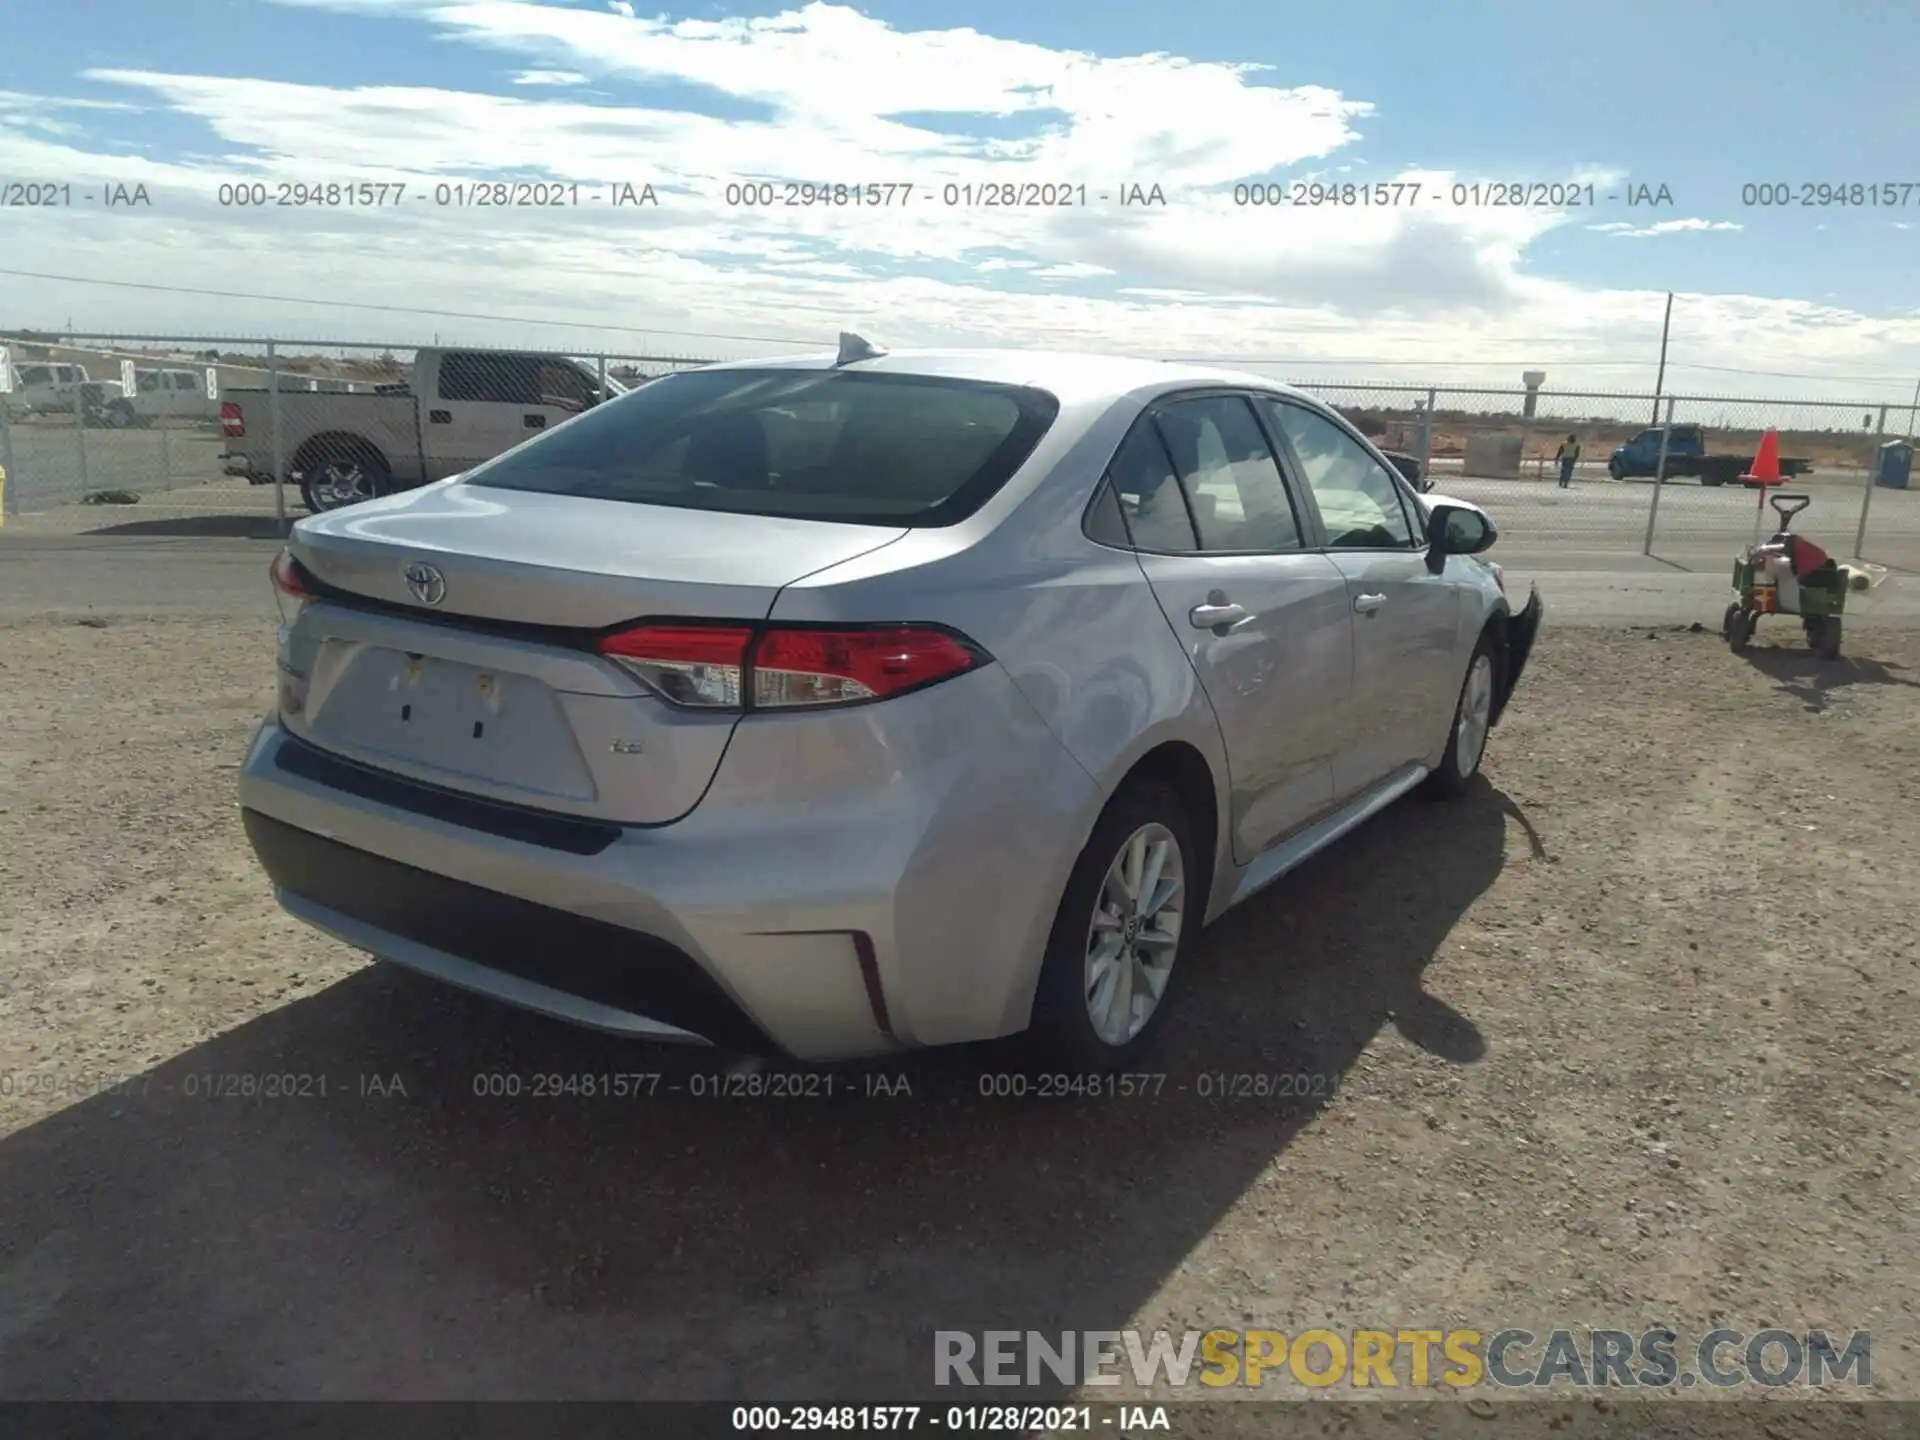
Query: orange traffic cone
[
  {"x": 1766, "y": 464},
  {"x": 1765, "y": 471}
]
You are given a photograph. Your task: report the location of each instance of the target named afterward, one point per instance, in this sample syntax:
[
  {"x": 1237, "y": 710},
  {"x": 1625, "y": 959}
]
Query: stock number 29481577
[{"x": 1012, "y": 1084}]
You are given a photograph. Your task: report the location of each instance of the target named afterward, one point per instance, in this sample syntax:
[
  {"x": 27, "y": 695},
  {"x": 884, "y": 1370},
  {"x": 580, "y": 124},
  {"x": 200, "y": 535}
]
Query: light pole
[{"x": 1660, "y": 379}]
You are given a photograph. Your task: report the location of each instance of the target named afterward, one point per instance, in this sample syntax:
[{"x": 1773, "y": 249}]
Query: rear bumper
[
  {"x": 771, "y": 918},
  {"x": 546, "y": 959}
]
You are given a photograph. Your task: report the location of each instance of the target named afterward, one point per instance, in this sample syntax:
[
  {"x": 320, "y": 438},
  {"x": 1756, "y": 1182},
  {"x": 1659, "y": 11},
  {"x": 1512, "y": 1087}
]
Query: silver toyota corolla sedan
[{"x": 835, "y": 705}]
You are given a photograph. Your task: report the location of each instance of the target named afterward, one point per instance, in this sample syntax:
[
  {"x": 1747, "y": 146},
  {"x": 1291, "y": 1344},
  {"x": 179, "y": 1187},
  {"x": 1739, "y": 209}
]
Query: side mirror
[
  {"x": 1408, "y": 467},
  {"x": 1458, "y": 530}
]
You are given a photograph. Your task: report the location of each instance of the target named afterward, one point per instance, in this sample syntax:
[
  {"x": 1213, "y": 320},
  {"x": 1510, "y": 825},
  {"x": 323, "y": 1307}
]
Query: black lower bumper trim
[
  {"x": 1521, "y": 631},
  {"x": 511, "y": 822},
  {"x": 607, "y": 964}
]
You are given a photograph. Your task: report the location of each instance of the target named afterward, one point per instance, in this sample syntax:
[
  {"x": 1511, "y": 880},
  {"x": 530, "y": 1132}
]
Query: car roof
[{"x": 1069, "y": 375}]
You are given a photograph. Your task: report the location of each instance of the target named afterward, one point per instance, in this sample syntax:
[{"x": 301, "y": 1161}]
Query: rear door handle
[
  {"x": 1367, "y": 604},
  {"x": 1214, "y": 615}
]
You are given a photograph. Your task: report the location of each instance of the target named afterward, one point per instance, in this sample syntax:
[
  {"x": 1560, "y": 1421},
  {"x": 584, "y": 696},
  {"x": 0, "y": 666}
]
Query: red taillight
[
  {"x": 290, "y": 589},
  {"x": 699, "y": 665},
  {"x": 287, "y": 577},
  {"x": 232, "y": 420},
  {"x": 732, "y": 667},
  {"x": 833, "y": 667}
]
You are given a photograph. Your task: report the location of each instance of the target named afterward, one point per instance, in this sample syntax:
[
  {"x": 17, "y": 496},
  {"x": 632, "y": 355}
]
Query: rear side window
[
  {"x": 1142, "y": 476},
  {"x": 1233, "y": 484},
  {"x": 489, "y": 379},
  {"x": 859, "y": 448}
]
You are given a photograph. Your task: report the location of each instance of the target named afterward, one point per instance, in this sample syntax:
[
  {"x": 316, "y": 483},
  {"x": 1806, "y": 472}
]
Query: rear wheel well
[
  {"x": 1184, "y": 770},
  {"x": 335, "y": 444}
]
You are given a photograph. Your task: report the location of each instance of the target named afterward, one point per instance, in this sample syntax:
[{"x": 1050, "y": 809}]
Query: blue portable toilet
[{"x": 1894, "y": 465}]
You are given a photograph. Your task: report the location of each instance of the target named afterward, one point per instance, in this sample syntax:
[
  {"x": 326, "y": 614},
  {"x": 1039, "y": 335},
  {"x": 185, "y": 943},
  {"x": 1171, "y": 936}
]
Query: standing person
[{"x": 1568, "y": 455}]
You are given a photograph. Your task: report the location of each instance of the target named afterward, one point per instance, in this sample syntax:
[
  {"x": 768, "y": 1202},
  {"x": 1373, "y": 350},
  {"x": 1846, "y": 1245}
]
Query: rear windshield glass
[{"x": 864, "y": 449}]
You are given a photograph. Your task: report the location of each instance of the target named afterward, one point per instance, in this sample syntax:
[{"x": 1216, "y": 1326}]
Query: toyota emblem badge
[{"x": 425, "y": 583}]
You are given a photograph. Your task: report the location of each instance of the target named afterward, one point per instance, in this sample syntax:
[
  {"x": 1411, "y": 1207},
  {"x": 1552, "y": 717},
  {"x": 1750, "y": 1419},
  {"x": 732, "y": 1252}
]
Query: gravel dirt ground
[{"x": 1625, "y": 1038}]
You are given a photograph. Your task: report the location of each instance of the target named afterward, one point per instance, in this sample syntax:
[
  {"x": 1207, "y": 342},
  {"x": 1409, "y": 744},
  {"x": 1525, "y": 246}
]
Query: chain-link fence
[
  {"x": 208, "y": 435},
  {"x": 231, "y": 436}
]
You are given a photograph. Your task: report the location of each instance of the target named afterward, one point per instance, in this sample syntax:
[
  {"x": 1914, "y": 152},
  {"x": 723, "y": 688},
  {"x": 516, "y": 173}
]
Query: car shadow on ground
[
  {"x": 408, "y": 1234},
  {"x": 1798, "y": 672},
  {"x": 218, "y": 527}
]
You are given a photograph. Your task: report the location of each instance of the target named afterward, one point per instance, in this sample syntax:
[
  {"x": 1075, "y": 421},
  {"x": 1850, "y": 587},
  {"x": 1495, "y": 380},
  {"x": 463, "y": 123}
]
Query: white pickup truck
[
  {"x": 460, "y": 407},
  {"x": 165, "y": 394},
  {"x": 47, "y": 387}
]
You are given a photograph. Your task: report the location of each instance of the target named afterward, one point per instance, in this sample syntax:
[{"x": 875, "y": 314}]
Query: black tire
[
  {"x": 1826, "y": 638},
  {"x": 325, "y": 483},
  {"x": 1614, "y": 469},
  {"x": 1727, "y": 621},
  {"x": 1712, "y": 478},
  {"x": 1062, "y": 1034},
  {"x": 1454, "y": 773},
  {"x": 120, "y": 415},
  {"x": 1739, "y": 630}
]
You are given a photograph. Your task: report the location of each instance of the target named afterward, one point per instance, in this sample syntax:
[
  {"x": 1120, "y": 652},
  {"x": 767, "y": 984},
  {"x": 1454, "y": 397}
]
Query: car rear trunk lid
[{"x": 493, "y": 688}]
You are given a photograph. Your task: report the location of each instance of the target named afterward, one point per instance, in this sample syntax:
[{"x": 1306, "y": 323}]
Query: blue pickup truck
[{"x": 1687, "y": 454}]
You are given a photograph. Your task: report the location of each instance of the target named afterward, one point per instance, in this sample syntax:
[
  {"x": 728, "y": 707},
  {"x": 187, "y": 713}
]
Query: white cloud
[
  {"x": 20, "y": 100},
  {"x": 823, "y": 93},
  {"x": 620, "y": 7},
  {"x": 1663, "y": 227}
]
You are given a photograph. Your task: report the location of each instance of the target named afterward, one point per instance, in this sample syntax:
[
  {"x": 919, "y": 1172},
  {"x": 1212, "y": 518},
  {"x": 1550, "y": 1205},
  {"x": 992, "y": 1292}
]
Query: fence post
[
  {"x": 165, "y": 422},
  {"x": 1426, "y": 435},
  {"x": 80, "y": 434},
  {"x": 1866, "y": 500},
  {"x": 602, "y": 361},
  {"x": 10, "y": 496},
  {"x": 279, "y": 445},
  {"x": 1659, "y": 477}
]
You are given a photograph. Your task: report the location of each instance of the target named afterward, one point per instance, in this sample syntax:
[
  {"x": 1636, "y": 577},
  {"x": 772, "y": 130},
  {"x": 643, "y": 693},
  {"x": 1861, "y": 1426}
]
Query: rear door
[
  {"x": 480, "y": 403},
  {"x": 1263, "y": 618},
  {"x": 1406, "y": 619}
]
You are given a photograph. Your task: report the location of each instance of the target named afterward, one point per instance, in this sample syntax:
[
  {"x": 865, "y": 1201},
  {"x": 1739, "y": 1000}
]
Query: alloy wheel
[
  {"x": 1476, "y": 714},
  {"x": 1134, "y": 936}
]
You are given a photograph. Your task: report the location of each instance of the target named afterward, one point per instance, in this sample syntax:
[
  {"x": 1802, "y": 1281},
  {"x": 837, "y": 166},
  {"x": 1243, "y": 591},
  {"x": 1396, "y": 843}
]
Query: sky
[{"x": 1703, "y": 110}]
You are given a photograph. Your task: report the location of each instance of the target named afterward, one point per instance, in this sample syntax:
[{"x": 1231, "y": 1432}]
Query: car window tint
[
  {"x": 562, "y": 386},
  {"x": 1142, "y": 476},
  {"x": 1232, "y": 480},
  {"x": 1105, "y": 524},
  {"x": 469, "y": 376},
  {"x": 1360, "y": 503},
  {"x": 866, "y": 448}
]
